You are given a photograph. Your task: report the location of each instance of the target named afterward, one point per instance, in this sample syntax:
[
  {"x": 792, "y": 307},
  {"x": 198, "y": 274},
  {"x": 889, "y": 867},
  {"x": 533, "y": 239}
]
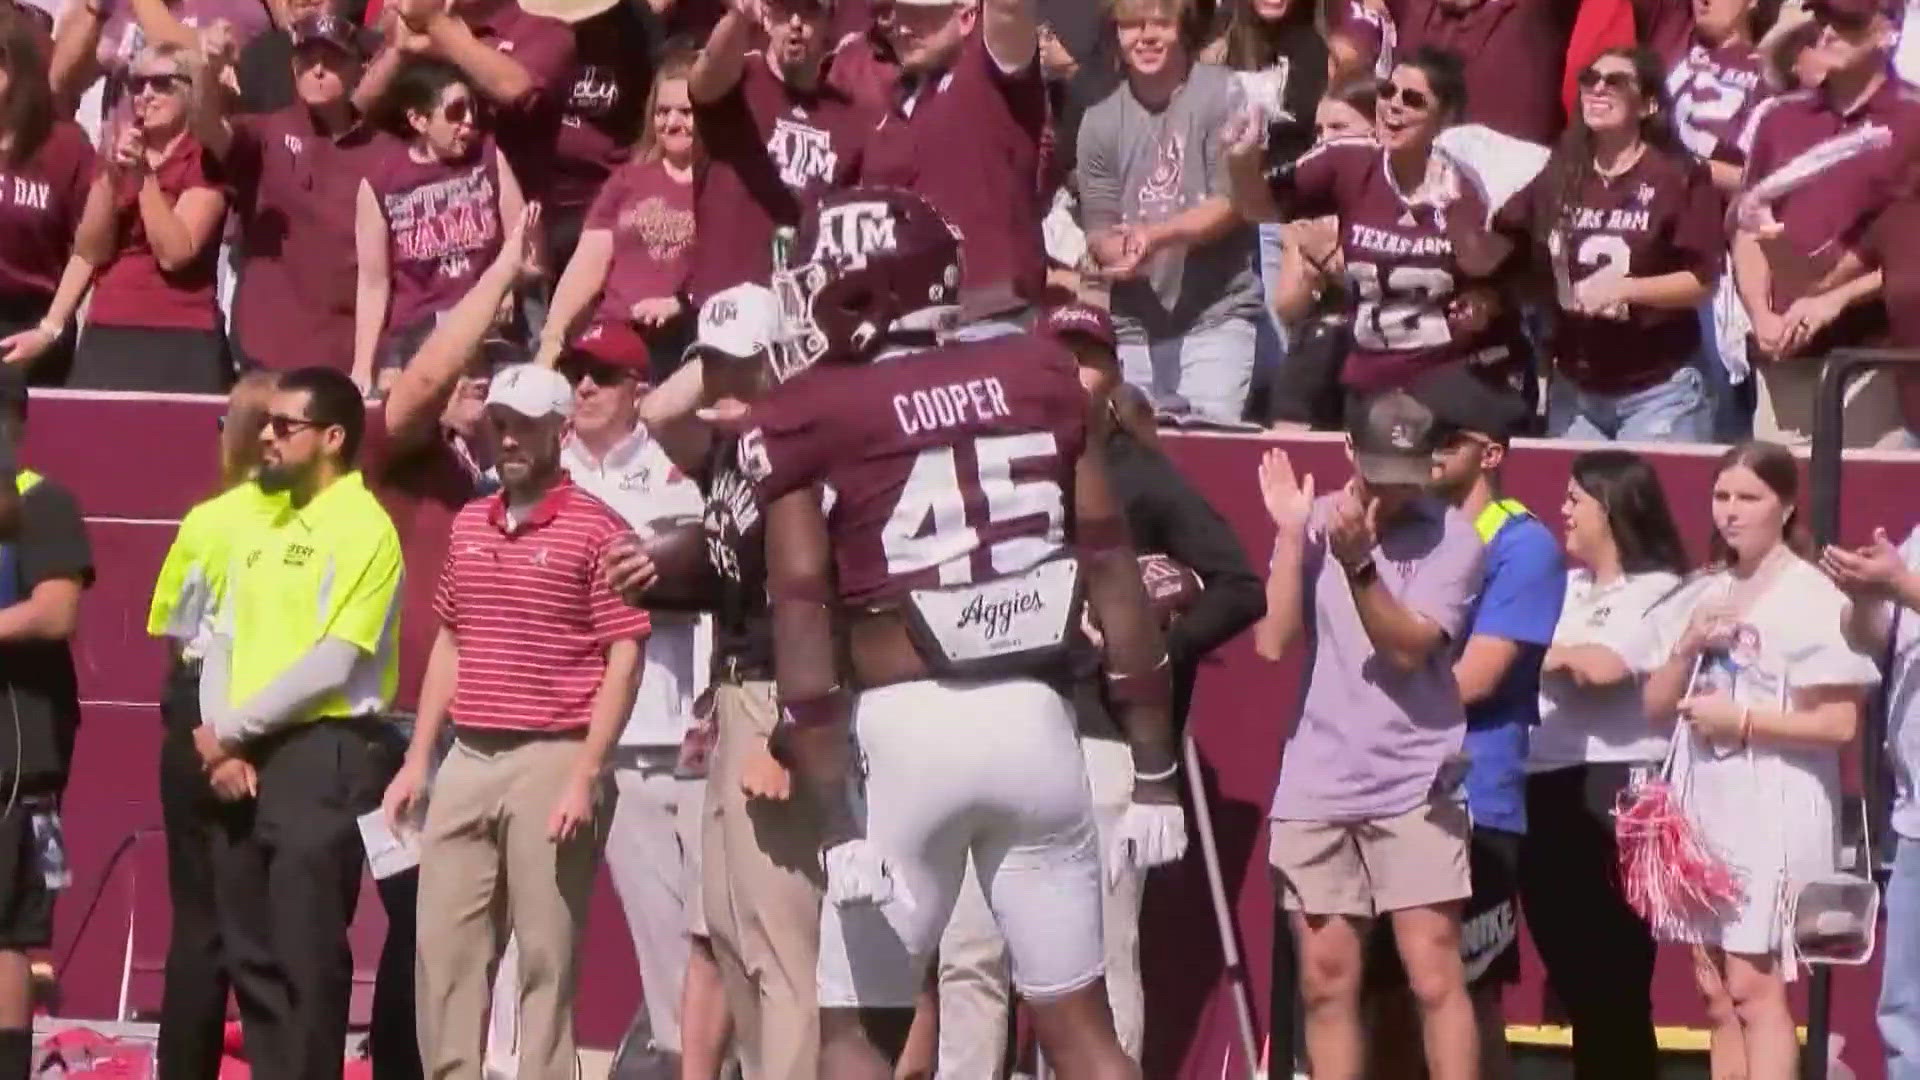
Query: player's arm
[
  {"x": 1139, "y": 680},
  {"x": 800, "y": 588}
]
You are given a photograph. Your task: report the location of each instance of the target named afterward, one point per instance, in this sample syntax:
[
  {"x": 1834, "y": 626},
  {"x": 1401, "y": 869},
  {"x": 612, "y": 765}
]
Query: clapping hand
[
  {"x": 1353, "y": 530},
  {"x": 1872, "y": 571},
  {"x": 1289, "y": 500}
]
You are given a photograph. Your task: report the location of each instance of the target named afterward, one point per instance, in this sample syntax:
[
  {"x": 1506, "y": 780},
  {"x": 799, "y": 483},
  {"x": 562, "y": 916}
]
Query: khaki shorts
[
  {"x": 1368, "y": 868},
  {"x": 1788, "y": 393}
]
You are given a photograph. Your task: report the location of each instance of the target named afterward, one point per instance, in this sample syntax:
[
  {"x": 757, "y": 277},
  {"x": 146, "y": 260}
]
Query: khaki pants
[
  {"x": 487, "y": 867},
  {"x": 974, "y": 978},
  {"x": 760, "y": 864},
  {"x": 1789, "y": 389},
  {"x": 653, "y": 853}
]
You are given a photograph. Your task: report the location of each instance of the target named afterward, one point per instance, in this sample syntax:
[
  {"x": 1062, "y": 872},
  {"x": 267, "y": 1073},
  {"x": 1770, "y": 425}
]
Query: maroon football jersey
[
  {"x": 1399, "y": 264},
  {"x": 771, "y": 148},
  {"x": 1714, "y": 92},
  {"x": 1660, "y": 217},
  {"x": 945, "y": 467}
]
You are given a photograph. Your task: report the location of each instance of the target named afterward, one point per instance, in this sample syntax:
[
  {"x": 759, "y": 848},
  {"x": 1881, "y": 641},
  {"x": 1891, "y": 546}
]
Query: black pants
[
  {"x": 1598, "y": 953},
  {"x": 211, "y": 950},
  {"x": 305, "y": 859},
  {"x": 158, "y": 360}
]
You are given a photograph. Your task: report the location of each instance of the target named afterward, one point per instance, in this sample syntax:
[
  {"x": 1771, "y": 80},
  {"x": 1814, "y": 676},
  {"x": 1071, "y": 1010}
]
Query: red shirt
[
  {"x": 600, "y": 115},
  {"x": 529, "y": 128},
  {"x": 970, "y": 144},
  {"x": 771, "y": 148},
  {"x": 294, "y": 192},
  {"x": 443, "y": 226},
  {"x": 421, "y": 487},
  {"x": 651, "y": 217},
  {"x": 40, "y": 205},
  {"x": 533, "y": 612},
  {"x": 132, "y": 290}
]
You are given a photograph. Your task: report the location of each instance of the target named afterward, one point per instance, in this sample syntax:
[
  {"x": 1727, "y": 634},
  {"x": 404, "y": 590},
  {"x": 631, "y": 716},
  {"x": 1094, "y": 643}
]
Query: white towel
[{"x": 1500, "y": 165}]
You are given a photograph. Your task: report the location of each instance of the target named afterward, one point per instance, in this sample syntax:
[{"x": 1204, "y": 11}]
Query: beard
[{"x": 276, "y": 478}]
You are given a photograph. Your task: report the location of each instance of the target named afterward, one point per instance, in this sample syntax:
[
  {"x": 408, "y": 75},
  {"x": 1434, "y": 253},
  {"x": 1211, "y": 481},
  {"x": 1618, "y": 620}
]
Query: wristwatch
[{"x": 1363, "y": 573}]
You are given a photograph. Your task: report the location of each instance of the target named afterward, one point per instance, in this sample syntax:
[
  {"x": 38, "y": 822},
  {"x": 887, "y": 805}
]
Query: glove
[
  {"x": 857, "y": 873},
  {"x": 1149, "y": 835}
]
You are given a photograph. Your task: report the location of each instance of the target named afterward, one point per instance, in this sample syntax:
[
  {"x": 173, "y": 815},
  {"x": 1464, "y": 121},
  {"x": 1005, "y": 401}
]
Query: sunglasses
[
  {"x": 1617, "y": 81},
  {"x": 284, "y": 426},
  {"x": 1391, "y": 92},
  {"x": 602, "y": 373},
  {"x": 457, "y": 112},
  {"x": 159, "y": 84}
]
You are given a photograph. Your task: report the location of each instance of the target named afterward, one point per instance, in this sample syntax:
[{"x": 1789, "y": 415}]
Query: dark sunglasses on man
[{"x": 577, "y": 367}]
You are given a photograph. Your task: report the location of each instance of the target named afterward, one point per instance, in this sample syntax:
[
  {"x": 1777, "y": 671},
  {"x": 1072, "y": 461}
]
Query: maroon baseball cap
[
  {"x": 327, "y": 29},
  {"x": 616, "y": 342},
  {"x": 1085, "y": 320}
]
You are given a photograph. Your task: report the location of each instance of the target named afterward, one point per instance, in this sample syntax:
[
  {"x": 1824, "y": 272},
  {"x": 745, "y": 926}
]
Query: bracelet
[{"x": 1167, "y": 773}]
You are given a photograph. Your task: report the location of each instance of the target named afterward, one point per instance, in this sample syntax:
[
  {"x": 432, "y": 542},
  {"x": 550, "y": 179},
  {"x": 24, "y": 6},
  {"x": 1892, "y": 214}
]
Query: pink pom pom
[{"x": 1671, "y": 877}]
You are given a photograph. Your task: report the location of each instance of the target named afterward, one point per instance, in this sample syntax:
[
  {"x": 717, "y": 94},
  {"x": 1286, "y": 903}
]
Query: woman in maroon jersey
[
  {"x": 1413, "y": 230},
  {"x": 150, "y": 235},
  {"x": 430, "y": 216},
  {"x": 49, "y": 167},
  {"x": 633, "y": 250},
  {"x": 1714, "y": 72},
  {"x": 1628, "y": 224}
]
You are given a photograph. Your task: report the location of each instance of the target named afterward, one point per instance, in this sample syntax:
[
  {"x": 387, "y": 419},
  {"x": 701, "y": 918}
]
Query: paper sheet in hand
[
  {"x": 1500, "y": 165},
  {"x": 388, "y": 853}
]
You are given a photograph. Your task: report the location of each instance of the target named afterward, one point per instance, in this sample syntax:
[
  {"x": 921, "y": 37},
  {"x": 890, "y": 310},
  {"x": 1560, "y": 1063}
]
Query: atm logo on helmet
[{"x": 851, "y": 231}]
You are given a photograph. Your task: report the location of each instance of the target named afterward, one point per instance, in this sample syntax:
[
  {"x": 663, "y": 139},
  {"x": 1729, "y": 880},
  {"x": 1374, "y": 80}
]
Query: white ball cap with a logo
[
  {"x": 740, "y": 322},
  {"x": 532, "y": 391}
]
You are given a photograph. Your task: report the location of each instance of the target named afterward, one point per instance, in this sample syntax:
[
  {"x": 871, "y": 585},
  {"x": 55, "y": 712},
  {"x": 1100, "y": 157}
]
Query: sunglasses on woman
[
  {"x": 457, "y": 112},
  {"x": 1617, "y": 81},
  {"x": 1391, "y": 92},
  {"x": 159, "y": 84}
]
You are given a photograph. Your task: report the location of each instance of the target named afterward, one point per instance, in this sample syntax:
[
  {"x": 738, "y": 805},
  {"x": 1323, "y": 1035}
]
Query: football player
[{"x": 934, "y": 519}]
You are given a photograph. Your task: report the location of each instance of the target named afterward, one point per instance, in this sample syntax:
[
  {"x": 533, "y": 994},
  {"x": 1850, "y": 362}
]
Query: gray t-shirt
[
  {"x": 1371, "y": 736},
  {"x": 1137, "y": 166}
]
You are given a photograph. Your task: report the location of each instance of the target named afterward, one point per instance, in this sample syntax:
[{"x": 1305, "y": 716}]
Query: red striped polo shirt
[{"x": 532, "y": 610}]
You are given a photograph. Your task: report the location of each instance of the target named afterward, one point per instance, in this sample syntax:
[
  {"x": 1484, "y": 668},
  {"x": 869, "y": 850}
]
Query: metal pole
[
  {"x": 1824, "y": 479},
  {"x": 1223, "y": 914}
]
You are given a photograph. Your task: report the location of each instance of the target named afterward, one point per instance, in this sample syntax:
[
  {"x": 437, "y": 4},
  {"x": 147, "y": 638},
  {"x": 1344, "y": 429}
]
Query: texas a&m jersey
[{"x": 943, "y": 467}]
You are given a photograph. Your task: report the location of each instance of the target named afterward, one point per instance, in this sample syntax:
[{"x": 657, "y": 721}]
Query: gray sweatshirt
[{"x": 1137, "y": 166}]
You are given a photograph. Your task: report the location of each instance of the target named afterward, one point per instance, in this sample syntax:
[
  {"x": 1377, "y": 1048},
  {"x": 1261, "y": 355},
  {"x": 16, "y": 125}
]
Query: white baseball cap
[
  {"x": 741, "y": 322},
  {"x": 532, "y": 391}
]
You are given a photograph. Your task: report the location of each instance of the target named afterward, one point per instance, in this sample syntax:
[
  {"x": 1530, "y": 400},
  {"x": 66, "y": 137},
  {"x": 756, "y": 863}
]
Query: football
[
  {"x": 1171, "y": 588},
  {"x": 678, "y": 548}
]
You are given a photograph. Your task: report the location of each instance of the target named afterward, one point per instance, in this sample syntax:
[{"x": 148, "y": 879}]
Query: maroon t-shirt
[
  {"x": 294, "y": 192},
  {"x": 1662, "y": 216},
  {"x": 1399, "y": 262},
  {"x": 947, "y": 467},
  {"x": 864, "y": 75},
  {"x": 605, "y": 96},
  {"x": 529, "y": 128},
  {"x": 968, "y": 141},
  {"x": 1514, "y": 51},
  {"x": 1843, "y": 196},
  {"x": 651, "y": 217},
  {"x": 421, "y": 487},
  {"x": 40, "y": 206},
  {"x": 1714, "y": 88},
  {"x": 771, "y": 149},
  {"x": 443, "y": 226},
  {"x": 132, "y": 289}
]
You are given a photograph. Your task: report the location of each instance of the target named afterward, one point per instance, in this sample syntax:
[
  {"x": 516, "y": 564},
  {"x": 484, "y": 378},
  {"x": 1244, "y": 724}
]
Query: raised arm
[
  {"x": 373, "y": 284},
  {"x": 717, "y": 70},
  {"x": 1011, "y": 32}
]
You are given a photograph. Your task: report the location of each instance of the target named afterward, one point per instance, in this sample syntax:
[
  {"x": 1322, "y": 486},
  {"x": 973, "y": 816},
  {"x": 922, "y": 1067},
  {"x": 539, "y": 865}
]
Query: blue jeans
[
  {"x": 1677, "y": 410},
  {"x": 1733, "y": 402},
  {"x": 1899, "y": 1015},
  {"x": 1212, "y": 369}
]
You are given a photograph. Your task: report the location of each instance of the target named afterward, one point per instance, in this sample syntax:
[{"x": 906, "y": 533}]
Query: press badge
[{"x": 50, "y": 847}]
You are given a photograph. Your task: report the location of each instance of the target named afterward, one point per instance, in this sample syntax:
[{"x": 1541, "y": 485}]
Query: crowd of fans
[{"x": 502, "y": 279}]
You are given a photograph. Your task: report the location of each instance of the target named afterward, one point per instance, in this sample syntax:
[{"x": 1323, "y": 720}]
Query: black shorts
[
  {"x": 1490, "y": 926},
  {"x": 26, "y": 903}
]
